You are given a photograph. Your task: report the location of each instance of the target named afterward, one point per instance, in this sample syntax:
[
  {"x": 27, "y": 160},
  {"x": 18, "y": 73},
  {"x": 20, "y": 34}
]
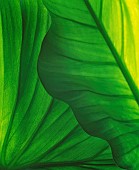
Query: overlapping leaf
[{"x": 92, "y": 55}]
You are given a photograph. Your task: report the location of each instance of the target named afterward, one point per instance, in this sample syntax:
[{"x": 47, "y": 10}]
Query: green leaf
[
  {"x": 36, "y": 130},
  {"x": 89, "y": 59}
]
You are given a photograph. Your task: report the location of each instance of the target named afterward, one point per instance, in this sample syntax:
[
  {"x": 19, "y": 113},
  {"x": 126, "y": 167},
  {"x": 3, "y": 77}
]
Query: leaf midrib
[{"x": 119, "y": 62}]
